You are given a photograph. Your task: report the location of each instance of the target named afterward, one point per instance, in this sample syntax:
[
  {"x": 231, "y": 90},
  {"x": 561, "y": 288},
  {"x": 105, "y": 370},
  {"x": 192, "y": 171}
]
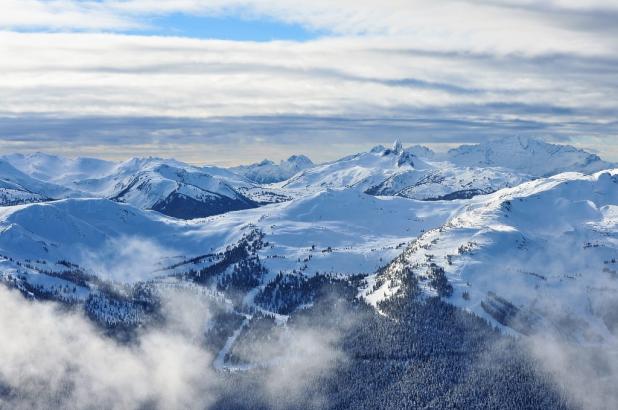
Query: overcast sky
[{"x": 225, "y": 82}]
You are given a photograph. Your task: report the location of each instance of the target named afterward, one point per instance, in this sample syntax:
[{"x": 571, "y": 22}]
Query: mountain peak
[
  {"x": 397, "y": 147},
  {"x": 267, "y": 171},
  {"x": 300, "y": 160},
  {"x": 529, "y": 155}
]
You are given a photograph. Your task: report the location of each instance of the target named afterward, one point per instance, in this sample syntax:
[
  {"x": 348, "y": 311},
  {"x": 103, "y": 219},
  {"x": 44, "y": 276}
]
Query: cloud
[
  {"x": 125, "y": 259},
  {"x": 478, "y": 63},
  {"x": 588, "y": 375},
  {"x": 228, "y": 141},
  {"x": 478, "y": 23},
  {"x": 57, "y": 359},
  {"x": 54, "y": 357},
  {"x": 305, "y": 356},
  {"x": 62, "y": 14}
]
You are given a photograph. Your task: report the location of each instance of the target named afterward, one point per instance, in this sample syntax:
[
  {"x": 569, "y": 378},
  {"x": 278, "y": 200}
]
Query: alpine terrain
[{"x": 399, "y": 277}]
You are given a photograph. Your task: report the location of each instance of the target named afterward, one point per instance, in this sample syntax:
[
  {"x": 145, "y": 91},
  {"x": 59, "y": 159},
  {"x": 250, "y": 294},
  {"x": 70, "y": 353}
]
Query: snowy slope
[
  {"x": 528, "y": 156},
  {"x": 60, "y": 170},
  {"x": 15, "y": 195},
  {"x": 103, "y": 235},
  {"x": 17, "y": 187},
  {"x": 267, "y": 172},
  {"x": 446, "y": 182},
  {"x": 176, "y": 189},
  {"x": 342, "y": 232},
  {"x": 350, "y": 232},
  {"x": 540, "y": 255}
]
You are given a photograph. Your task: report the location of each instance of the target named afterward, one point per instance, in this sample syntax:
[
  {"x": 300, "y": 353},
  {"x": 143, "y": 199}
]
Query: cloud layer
[{"x": 490, "y": 63}]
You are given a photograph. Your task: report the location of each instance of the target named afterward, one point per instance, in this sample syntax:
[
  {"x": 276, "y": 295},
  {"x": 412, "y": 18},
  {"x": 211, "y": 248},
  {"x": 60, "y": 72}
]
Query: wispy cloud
[{"x": 555, "y": 20}]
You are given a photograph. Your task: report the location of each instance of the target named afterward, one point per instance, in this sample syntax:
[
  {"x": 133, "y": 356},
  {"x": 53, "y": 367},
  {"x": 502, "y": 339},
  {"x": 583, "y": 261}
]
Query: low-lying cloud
[
  {"x": 588, "y": 375},
  {"x": 54, "y": 358},
  {"x": 125, "y": 259},
  {"x": 57, "y": 359}
]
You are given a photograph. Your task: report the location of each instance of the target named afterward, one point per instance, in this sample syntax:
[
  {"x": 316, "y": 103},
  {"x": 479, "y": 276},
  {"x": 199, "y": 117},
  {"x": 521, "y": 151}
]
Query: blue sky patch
[{"x": 228, "y": 28}]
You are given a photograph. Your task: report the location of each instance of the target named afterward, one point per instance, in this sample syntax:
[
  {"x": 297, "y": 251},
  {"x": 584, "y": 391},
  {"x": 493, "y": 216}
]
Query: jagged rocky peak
[
  {"x": 405, "y": 157},
  {"x": 397, "y": 147}
]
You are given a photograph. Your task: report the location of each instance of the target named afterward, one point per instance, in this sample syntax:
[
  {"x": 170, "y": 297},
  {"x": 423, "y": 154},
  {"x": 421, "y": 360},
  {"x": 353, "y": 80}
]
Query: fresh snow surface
[
  {"x": 548, "y": 247},
  {"x": 351, "y": 233},
  {"x": 343, "y": 231}
]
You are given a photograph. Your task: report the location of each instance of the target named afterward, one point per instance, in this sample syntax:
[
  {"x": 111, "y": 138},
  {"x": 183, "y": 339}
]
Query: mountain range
[
  {"x": 346, "y": 217},
  {"x": 519, "y": 233}
]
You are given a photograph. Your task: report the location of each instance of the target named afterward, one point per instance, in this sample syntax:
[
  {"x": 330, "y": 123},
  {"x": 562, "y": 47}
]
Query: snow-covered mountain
[
  {"x": 168, "y": 186},
  {"x": 541, "y": 255},
  {"x": 419, "y": 173},
  {"x": 404, "y": 172},
  {"x": 80, "y": 250},
  {"x": 81, "y": 231},
  {"x": 17, "y": 187},
  {"x": 175, "y": 189},
  {"x": 267, "y": 172},
  {"x": 360, "y": 171},
  {"x": 60, "y": 170},
  {"x": 325, "y": 232},
  {"x": 482, "y": 247},
  {"x": 185, "y": 191},
  {"x": 443, "y": 182},
  {"x": 528, "y": 156},
  {"x": 341, "y": 219}
]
